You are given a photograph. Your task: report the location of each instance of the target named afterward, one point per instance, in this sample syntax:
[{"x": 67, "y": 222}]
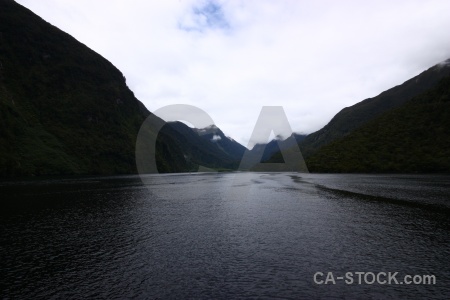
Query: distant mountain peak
[
  {"x": 445, "y": 63},
  {"x": 211, "y": 129}
]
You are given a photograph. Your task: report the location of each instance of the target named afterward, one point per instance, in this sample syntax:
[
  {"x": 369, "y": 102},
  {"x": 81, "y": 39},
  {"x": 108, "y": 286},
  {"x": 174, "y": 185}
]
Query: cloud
[
  {"x": 444, "y": 63},
  {"x": 204, "y": 16},
  {"x": 230, "y": 58},
  {"x": 216, "y": 138}
]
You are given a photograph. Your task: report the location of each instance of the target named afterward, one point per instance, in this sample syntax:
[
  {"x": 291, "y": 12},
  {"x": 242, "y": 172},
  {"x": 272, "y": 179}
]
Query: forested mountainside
[
  {"x": 414, "y": 137},
  {"x": 350, "y": 118}
]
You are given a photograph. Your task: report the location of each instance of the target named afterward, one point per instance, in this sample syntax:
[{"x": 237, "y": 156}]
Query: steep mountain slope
[
  {"x": 414, "y": 137},
  {"x": 275, "y": 146},
  {"x": 350, "y": 118},
  {"x": 272, "y": 153},
  {"x": 199, "y": 150},
  {"x": 64, "y": 109},
  {"x": 214, "y": 135}
]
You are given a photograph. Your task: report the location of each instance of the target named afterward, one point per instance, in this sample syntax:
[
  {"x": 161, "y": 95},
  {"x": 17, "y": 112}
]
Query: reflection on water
[{"x": 255, "y": 235}]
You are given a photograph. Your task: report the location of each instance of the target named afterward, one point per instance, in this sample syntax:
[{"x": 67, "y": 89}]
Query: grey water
[{"x": 224, "y": 236}]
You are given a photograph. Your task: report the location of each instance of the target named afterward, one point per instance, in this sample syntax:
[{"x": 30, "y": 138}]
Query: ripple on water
[{"x": 220, "y": 236}]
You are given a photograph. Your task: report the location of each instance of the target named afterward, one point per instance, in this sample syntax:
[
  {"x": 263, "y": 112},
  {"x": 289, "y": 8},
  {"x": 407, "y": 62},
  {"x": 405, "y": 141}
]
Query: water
[{"x": 245, "y": 235}]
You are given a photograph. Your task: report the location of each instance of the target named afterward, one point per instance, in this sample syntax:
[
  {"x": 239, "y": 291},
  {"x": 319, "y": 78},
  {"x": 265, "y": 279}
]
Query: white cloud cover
[
  {"x": 215, "y": 138},
  {"x": 230, "y": 58}
]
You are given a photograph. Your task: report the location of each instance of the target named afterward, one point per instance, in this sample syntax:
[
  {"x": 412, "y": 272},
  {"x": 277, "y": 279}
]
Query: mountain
[
  {"x": 275, "y": 146},
  {"x": 64, "y": 109},
  {"x": 414, "y": 137},
  {"x": 276, "y": 156},
  {"x": 272, "y": 152},
  {"x": 207, "y": 147},
  {"x": 350, "y": 118},
  {"x": 214, "y": 135}
]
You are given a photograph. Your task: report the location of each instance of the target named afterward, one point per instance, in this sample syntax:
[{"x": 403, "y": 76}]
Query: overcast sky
[{"x": 230, "y": 58}]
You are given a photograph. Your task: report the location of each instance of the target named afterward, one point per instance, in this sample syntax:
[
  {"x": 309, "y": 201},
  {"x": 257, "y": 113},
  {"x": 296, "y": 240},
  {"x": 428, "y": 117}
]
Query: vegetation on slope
[
  {"x": 414, "y": 137},
  {"x": 351, "y": 118},
  {"x": 64, "y": 109}
]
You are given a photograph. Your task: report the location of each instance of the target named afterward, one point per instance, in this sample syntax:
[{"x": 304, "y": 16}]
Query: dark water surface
[{"x": 244, "y": 235}]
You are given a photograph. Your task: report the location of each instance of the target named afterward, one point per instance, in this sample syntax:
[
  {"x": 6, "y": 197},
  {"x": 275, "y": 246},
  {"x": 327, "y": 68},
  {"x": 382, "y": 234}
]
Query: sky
[{"x": 230, "y": 58}]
